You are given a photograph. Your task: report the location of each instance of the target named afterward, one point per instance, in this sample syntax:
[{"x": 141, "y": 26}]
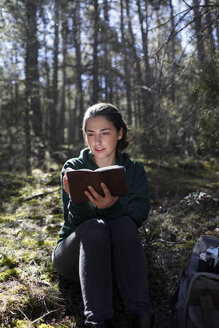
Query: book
[{"x": 79, "y": 180}]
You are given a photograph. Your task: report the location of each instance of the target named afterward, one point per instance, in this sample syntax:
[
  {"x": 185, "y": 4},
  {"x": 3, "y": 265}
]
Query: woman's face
[{"x": 102, "y": 138}]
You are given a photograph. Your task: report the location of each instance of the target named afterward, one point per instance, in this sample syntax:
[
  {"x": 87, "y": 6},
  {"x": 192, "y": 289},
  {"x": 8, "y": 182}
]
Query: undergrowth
[{"x": 184, "y": 205}]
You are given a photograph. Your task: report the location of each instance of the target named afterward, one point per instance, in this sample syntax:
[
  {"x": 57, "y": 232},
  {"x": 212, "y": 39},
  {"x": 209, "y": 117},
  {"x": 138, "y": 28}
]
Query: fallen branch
[
  {"x": 45, "y": 315},
  {"x": 41, "y": 195}
]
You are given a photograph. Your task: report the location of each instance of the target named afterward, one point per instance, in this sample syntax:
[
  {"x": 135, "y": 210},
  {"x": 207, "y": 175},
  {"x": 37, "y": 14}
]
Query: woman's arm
[
  {"x": 137, "y": 203},
  {"x": 74, "y": 213}
]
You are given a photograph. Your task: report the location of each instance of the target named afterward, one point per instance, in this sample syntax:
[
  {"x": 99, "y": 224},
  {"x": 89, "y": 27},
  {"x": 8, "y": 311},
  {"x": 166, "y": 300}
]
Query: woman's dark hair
[{"x": 112, "y": 114}]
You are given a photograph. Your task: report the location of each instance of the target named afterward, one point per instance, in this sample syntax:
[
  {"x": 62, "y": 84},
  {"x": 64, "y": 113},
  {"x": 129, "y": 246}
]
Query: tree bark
[
  {"x": 172, "y": 52},
  {"x": 64, "y": 54},
  {"x": 27, "y": 115},
  {"x": 33, "y": 81},
  {"x": 106, "y": 51},
  {"x": 126, "y": 70},
  {"x": 210, "y": 38},
  {"x": 79, "y": 70},
  {"x": 143, "y": 19},
  {"x": 95, "y": 96},
  {"x": 53, "y": 108},
  {"x": 139, "y": 90},
  {"x": 198, "y": 31}
]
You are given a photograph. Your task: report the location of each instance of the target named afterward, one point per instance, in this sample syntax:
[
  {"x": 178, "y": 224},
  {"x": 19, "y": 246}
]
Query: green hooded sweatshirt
[{"x": 135, "y": 204}]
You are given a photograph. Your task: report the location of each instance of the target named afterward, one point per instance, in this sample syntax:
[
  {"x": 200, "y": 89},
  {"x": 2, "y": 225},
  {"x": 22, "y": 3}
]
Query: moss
[
  {"x": 8, "y": 274},
  {"x": 29, "y": 242},
  {"x": 28, "y": 255},
  {"x": 50, "y": 243},
  {"x": 7, "y": 261},
  {"x": 7, "y": 218},
  {"x": 21, "y": 323}
]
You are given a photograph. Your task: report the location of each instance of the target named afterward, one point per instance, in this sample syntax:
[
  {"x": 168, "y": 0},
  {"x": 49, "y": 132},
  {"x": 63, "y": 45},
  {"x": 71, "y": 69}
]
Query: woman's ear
[{"x": 120, "y": 134}]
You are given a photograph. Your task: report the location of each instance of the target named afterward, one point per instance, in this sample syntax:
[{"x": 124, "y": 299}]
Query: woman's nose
[{"x": 97, "y": 139}]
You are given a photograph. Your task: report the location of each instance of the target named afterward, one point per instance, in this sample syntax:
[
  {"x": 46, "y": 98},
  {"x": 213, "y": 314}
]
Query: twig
[
  {"x": 45, "y": 314},
  {"x": 26, "y": 317},
  {"x": 40, "y": 195}
]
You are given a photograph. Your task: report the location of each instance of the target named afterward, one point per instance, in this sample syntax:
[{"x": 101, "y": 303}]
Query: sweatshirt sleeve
[
  {"x": 137, "y": 203},
  {"x": 74, "y": 214}
]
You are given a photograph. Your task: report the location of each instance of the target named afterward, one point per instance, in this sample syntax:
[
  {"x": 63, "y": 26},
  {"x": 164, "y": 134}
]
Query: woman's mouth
[{"x": 99, "y": 150}]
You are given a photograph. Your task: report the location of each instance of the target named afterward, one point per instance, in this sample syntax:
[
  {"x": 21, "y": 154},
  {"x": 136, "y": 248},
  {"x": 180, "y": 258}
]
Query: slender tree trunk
[
  {"x": 33, "y": 67},
  {"x": 106, "y": 50},
  {"x": 198, "y": 32},
  {"x": 71, "y": 121},
  {"x": 140, "y": 92},
  {"x": 143, "y": 19},
  {"x": 172, "y": 52},
  {"x": 95, "y": 96},
  {"x": 16, "y": 88},
  {"x": 64, "y": 53},
  {"x": 47, "y": 96},
  {"x": 53, "y": 108},
  {"x": 210, "y": 38},
  {"x": 107, "y": 56},
  {"x": 79, "y": 71},
  {"x": 27, "y": 115},
  {"x": 126, "y": 71},
  {"x": 33, "y": 81}
]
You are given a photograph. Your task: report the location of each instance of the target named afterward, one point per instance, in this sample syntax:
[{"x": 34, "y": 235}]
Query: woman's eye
[
  {"x": 90, "y": 134},
  {"x": 105, "y": 133}
]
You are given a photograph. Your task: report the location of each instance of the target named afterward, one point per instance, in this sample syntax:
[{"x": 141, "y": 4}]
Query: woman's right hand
[{"x": 65, "y": 181}]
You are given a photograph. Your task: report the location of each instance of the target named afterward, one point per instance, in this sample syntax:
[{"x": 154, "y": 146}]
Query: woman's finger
[
  {"x": 94, "y": 193},
  {"x": 89, "y": 196},
  {"x": 106, "y": 191}
]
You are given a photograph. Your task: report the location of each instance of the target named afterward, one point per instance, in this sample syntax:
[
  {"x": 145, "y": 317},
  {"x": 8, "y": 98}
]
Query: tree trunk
[
  {"x": 47, "y": 96},
  {"x": 126, "y": 70},
  {"x": 172, "y": 52},
  {"x": 33, "y": 81},
  {"x": 77, "y": 44},
  {"x": 139, "y": 90},
  {"x": 107, "y": 56},
  {"x": 198, "y": 31},
  {"x": 106, "y": 50},
  {"x": 53, "y": 108},
  {"x": 210, "y": 38},
  {"x": 144, "y": 36},
  {"x": 95, "y": 96},
  {"x": 71, "y": 119},
  {"x": 27, "y": 115},
  {"x": 64, "y": 53}
]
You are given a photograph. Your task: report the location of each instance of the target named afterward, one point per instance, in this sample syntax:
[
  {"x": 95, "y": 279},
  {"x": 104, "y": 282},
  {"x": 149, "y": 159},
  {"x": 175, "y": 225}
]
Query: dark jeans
[{"x": 87, "y": 255}]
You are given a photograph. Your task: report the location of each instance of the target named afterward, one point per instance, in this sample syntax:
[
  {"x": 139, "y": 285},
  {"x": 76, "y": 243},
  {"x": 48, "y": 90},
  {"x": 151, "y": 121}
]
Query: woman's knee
[
  {"x": 94, "y": 229},
  {"x": 123, "y": 224}
]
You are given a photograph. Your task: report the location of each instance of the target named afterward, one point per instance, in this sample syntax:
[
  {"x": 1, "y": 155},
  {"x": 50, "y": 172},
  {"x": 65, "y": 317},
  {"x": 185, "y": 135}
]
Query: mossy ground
[{"x": 184, "y": 198}]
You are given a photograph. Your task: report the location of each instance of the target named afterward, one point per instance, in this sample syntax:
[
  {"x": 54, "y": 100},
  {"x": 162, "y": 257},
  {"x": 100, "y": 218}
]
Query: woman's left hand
[{"x": 101, "y": 201}]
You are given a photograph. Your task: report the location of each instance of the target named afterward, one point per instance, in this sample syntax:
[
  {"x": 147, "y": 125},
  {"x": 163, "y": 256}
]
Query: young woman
[{"x": 100, "y": 236}]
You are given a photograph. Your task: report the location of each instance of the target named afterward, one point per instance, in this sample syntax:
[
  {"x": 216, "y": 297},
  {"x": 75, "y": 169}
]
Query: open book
[{"x": 79, "y": 180}]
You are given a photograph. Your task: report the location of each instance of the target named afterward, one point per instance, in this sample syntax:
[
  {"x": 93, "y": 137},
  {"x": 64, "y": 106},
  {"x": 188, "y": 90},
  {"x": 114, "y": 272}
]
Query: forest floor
[{"x": 184, "y": 206}]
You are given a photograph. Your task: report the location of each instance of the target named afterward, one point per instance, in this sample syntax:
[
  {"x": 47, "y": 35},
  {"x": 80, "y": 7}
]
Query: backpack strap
[{"x": 207, "y": 306}]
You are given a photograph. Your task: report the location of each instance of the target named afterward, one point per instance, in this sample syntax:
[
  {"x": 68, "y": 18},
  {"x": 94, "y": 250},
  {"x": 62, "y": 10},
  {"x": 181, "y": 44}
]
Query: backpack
[{"x": 198, "y": 294}]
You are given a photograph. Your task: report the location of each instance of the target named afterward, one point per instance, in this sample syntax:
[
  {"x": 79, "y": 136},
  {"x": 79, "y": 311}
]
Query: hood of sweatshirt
[{"x": 86, "y": 156}]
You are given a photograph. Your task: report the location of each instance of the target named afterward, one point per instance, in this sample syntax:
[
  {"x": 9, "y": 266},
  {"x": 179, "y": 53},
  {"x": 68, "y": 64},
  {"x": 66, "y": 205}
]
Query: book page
[{"x": 111, "y": 167}]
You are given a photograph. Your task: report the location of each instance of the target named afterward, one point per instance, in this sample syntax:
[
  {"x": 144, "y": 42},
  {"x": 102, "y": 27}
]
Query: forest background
[{"x": 158, "y": 62}]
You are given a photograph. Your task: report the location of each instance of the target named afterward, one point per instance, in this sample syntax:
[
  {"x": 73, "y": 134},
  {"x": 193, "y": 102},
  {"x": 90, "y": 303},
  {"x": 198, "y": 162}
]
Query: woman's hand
[
  {"x": 65, "y": 181},
  {"x": 101, "y": 201}
]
